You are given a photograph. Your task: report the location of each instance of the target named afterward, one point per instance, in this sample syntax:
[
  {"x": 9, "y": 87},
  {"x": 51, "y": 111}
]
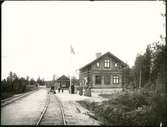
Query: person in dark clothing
[
  {"x": 59, "y": 89},
  {"x": 62, "y": 90},
  {"x": 52, "y": 88},
  {"x": 72, "y": 89},
  {"x": 81, "y": 91}
]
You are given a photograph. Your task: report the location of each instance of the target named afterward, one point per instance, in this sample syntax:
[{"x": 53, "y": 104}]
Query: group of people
[
  {"x": 52, "y": 89},
  {"x": 85, "y": 88}
]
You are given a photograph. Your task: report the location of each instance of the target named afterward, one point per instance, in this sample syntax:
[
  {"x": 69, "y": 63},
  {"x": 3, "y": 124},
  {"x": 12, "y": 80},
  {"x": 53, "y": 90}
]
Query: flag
[{"x": 72, "y": 50}]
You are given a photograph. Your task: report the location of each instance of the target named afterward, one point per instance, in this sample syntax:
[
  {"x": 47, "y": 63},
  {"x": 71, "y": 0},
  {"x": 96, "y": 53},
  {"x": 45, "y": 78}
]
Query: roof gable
[
  {"x": 63, "y": 77},
  {"x": 106, "y": 54}
]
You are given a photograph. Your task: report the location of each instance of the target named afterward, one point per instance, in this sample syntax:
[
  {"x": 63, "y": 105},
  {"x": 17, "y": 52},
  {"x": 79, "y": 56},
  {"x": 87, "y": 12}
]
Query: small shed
[{"x": 63, "y": 82}]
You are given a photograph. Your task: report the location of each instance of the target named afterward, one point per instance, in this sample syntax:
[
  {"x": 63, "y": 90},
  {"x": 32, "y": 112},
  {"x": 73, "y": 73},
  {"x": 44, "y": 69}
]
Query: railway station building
[{"x": 105, "y": 72}]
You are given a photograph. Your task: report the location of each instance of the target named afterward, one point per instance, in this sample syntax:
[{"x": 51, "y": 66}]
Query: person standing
[
  {"x": 72, "y": 89},
  {"x": 80, "y": 88}
]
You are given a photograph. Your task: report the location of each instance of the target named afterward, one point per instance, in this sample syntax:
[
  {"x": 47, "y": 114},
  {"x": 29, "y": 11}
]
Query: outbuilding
[{"x": 63, "y": 82}]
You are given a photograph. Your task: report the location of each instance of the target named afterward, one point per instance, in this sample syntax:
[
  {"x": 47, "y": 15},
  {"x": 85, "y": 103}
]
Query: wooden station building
[
  {"x": 63, "y": 82},
  {"x": 106, "y": 71}
]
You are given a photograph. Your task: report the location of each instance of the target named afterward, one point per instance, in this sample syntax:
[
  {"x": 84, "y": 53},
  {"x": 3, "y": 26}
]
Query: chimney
[{"x": 98, "y": 54}]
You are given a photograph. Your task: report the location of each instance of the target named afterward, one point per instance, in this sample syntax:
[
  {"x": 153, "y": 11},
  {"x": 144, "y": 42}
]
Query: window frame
[
  {"x": 116, "y": 65},
  {"x": 96, "y": 80},
  {"x": 98, "y": 65},
  {"x": 106, "y": 63},
  {"x": 116, "y": 79}
]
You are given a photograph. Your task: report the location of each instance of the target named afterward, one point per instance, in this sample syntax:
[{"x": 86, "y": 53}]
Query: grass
[
  {"x": 5, "y": 95},
  {"x": 141, "y": 108}
]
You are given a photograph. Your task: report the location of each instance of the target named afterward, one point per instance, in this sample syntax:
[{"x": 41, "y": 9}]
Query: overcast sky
[{"x": 36, "y": 36}]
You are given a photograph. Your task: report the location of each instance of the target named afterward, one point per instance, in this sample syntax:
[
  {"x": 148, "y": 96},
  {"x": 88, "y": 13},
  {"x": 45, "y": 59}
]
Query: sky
[{"x": 36, "y": 36}]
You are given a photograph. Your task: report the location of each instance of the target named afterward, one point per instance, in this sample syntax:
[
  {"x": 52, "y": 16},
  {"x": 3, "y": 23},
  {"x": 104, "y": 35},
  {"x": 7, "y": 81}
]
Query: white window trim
[
  {"x": 116, "y": 65},
  {"x": 115, "y": 79},
  {"x": 98, "y": 65},
  {"x": 107, "y": 63}
]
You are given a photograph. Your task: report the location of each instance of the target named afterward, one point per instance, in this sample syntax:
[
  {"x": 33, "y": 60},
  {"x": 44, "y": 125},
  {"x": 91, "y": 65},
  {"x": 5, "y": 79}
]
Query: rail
[
  {"x": 45, "y": 109},
  {"x": 62, "y": 110}
]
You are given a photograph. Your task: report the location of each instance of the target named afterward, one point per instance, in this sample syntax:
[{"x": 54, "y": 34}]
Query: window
[
  {"x": 97, "y": 64},
  {"x": 98, "y": 79},
  {"x": 115, "y": 79},
  {"x": 115, "y": 64},
  {"x": 107, "y": 79},
  {"x": 106, "y": 63}
]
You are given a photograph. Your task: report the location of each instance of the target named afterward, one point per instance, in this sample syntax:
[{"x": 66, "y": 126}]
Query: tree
[
  {"x": 139, "y": 70},
  {"x": 16, "y": 85},
  {"x": 146, "y": 69},
  {"x": 39, "y": 80},
  {"x": 3, "y": 85},
  {"x": 125, "y": 77},
  {"x": 142, "y": 68},
  {"x": 74, "y": 80},
  {"x": 22, "y": 84},
  {"x": 27, "y": 78},
  {"x": 32, "y": 81},
  {"x": 150, "y": 69},
  {"x": 158, "y": 74}
]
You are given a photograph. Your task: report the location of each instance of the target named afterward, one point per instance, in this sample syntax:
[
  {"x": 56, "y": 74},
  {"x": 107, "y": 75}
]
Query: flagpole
[
  {"x": 71, "y": 53},
  {"x": 70, "y": 85},
  {"x": 70, "y": 71},
  {"x": 70, "y": 67}
]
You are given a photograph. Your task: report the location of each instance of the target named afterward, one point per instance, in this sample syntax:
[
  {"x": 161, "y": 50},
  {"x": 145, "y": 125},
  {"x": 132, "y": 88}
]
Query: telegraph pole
[{"x": 140, "y": 80}]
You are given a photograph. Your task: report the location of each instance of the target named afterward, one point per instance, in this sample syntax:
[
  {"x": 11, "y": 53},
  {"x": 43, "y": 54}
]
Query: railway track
[
  {"x": 62, "y": 110},
  {"x": 53, "y": 112},
  {"x": 12, "y": 99}
]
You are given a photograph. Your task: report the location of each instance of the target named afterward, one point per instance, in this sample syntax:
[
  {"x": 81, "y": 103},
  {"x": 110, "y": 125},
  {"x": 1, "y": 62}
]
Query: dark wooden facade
[
  {"x": 63, "y": 82},
  {"x": 105, "y": 71}
]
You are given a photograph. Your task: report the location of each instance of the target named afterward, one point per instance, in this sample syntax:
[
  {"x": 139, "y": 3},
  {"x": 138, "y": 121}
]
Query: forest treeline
[
  {"x": 14, "y": 85},
  {"x": 149, "y": 70}
]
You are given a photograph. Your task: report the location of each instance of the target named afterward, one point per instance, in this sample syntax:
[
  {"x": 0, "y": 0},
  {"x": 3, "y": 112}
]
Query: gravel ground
[
  {"x": 25, "y": 111},
  {"x": 75, "y": 114}
]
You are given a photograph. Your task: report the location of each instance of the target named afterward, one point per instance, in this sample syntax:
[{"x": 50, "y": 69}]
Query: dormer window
[
  {"x": 106, "y": 63},
  {"x": 97, "y": 64}
]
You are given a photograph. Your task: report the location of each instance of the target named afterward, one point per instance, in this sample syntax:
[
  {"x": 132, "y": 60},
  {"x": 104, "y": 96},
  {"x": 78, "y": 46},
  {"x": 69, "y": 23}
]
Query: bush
[
  {"x": 141, "y": 108},
  {"x": 159, "y": 108}
]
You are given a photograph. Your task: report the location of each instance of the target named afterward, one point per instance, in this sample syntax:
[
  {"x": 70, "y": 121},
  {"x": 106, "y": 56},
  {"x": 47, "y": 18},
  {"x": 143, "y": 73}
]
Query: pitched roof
[
  {"x": 63, "y": 77},
  {"x": 107, "y": 53}
]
